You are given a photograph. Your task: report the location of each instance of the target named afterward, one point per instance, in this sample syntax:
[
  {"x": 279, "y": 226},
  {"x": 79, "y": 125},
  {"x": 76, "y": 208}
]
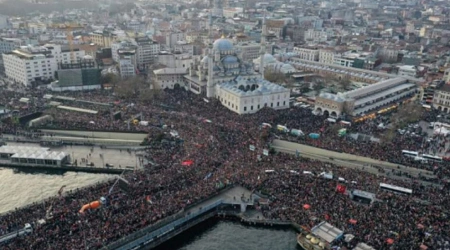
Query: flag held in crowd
[
  {"x": 352, "y": 221},
  {"x": 187, "y": 163},
  {"x": 341, "y": 189},
  {"x": 306, "y": 206}
]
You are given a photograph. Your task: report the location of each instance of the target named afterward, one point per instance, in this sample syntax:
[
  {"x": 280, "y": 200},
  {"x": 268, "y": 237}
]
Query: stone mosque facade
[{"x": 222, "y": 74}]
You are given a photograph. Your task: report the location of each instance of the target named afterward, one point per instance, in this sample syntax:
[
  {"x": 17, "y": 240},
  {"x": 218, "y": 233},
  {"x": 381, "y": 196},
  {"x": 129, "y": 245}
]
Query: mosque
[{"x": 222, "y": 74}]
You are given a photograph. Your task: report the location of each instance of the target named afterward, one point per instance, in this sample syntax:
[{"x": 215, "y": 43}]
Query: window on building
[
  {"x": 245, "y": 108},
  {"x": 271, "y": 104},
  {"x": 278, "y": 104}
]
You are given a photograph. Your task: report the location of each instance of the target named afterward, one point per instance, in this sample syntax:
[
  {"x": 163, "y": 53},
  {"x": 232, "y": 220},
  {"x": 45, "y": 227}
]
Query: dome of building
[
  {"x": 268, "y": 58},
  {"x": 205, "y": 60},
  {"x": 230, "y": 60},
  {"x": 223, "y": 45}
]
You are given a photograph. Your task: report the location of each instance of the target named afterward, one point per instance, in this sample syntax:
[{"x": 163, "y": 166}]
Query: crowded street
[{"x": 214, "y": 143}]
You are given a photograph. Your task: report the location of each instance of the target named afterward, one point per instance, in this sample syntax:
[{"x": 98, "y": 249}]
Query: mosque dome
[
  {"x": 205, "y": 60},
  {"x": 230, "y": 60},
  {"x": 268, "y": 59},
  {"x": 223, "y": 44}
]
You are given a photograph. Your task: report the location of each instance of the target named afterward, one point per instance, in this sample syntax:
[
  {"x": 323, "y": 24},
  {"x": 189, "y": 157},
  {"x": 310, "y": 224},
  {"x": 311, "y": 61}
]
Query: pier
[
  {"x": 229, "y": 203},
  {"x": 99, "y": 160},
  {"x": 72, "y": 168}
]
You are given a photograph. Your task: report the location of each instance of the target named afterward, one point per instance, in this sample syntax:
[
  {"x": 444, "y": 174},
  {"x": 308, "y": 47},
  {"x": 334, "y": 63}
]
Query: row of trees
[{"x": 138, "y": 88}]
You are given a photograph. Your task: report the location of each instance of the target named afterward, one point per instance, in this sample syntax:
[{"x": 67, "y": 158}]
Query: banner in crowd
[
  {"x": 266, "y": 152},
  {"x": 341, "y": 189},
  {"x": 252, "y": 147}
]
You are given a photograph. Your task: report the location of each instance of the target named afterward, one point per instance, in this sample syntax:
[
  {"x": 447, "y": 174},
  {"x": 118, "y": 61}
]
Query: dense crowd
[{"x": 217, "y": 142}]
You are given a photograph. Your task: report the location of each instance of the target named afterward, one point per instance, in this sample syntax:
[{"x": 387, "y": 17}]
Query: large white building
[
  {"x": 169, "y": 77},
  {"x": 64, "y": 55},
  {"x": 222, "y": 74},
  {"x": 127, "y": 62},
  {"x": 28, "y": 64},
  {"x": 146, "y": 52},
  {"x": 116, "y": 46},
  {"x": 307, "y": 53},
  {"x": 312, "y": 35},
  {"x": 365, "y": 100},
  {"x": 250, "y": 51},
  {"x": 407, "y": 70},
  {"x": 175, "y": 60}
]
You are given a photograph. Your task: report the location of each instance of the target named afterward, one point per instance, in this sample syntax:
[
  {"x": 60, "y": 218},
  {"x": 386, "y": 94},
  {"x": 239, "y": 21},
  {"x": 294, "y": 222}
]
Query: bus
[
  {"x": 395, "y": 189},
  {"x": 409, "y": 153},
  {"x": 432, "y": 158}
]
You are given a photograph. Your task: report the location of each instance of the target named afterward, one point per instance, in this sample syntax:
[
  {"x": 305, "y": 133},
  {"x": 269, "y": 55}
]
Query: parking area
[{"x": 97, "y": 156}]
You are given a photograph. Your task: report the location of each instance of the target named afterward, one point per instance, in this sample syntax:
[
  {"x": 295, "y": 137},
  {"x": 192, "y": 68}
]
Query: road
[{"x": 347, "y": 160}]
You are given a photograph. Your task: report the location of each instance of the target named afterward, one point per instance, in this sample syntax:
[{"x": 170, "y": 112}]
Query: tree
[
  {"x": 129, "y": 87},
  {"x": 318, "y": 86},
  {"x": 407, "y": 113},
  {"x": 271, "y": 75},
  {"x": 388, "y": 135},
  {"x": 110, "y": 78},
  {"x": 345, "y": 83}
]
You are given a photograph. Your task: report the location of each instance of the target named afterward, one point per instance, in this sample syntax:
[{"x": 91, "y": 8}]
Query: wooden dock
[{"x": 68, "y": 168}]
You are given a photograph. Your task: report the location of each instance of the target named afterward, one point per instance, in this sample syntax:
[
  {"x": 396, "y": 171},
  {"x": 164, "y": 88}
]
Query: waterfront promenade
[
  {"x": 344, "y": 159},
  {"x": 96, "y": 158},
  {"x": 168, "y": 228}
]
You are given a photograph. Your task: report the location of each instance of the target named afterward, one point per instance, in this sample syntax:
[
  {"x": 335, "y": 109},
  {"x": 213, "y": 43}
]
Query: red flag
[
  {"x": 327, "y": 216},
  {"x": 187, "y": 163},
  {"x": 341, "y": 189}
]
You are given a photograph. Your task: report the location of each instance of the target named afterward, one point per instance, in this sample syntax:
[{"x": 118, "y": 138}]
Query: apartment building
[
  {"x": 127, "y": 62},
  {"x": 307, "y": 53},
  {"x": 146, "y": 52},
  {"x": 29, "y": 64},
  {"x": 64, "y": 55},
  {"x": 249, "y": 51},
  {"x": 103, "y": 38}
]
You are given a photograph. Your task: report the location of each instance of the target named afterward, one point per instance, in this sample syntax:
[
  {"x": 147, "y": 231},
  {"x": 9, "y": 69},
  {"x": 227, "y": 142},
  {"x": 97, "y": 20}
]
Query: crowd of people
[{"x": 216, "y": 143}]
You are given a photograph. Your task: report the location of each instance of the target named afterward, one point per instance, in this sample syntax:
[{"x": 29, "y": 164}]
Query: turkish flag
[{"x": 341, "y": 189}]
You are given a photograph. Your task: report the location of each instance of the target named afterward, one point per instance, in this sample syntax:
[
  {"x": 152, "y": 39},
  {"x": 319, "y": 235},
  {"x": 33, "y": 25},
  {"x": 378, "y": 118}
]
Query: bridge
[{"x": 166, "y": 229}]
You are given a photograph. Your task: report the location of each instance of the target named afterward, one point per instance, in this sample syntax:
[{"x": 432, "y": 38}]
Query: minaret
[
  {"x": 263, "y": 46},
  {"x": 210, "y": 84}
]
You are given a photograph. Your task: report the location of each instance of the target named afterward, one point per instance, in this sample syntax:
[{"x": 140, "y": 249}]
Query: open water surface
[
  {"x": 18, "y": 189},
  {"x": 228, "y": 235}
]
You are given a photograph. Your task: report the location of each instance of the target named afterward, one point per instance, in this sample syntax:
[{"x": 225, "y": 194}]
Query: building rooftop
[
  {"x": 444, "y": 88},
  {"x": 357, "y": 93},
  {"x": 32, "y": 152},
  {"x": 249, "y": 87},
  {"x": 169, "y": 71},
  {"x": 327, "y": 232}
]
